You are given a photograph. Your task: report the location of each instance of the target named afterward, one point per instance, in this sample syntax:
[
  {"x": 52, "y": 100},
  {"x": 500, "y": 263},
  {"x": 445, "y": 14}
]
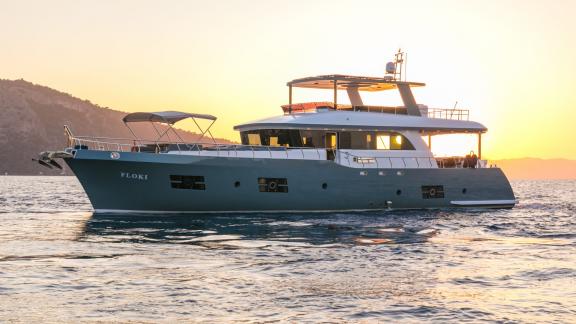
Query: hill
[{"x": 32, "y": 119}]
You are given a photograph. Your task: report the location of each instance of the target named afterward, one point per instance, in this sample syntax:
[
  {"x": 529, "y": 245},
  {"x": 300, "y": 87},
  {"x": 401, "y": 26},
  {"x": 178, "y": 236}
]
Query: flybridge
[
  {"x": 392, "y": 80},
  {"x": 354, "y": 84}
]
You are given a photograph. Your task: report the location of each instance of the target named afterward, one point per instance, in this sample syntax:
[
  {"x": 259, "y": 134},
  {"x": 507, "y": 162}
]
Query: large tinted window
[
  {"x": 312, "y": 138},
  {"x": 321, "y": 139},
  {"x": 272, "y": 137},
  {"x": 374, "y": 141}
]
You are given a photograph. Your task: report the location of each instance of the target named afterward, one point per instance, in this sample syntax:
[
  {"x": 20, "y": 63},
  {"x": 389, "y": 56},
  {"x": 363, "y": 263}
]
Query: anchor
[{"x": 46, "y": 158}]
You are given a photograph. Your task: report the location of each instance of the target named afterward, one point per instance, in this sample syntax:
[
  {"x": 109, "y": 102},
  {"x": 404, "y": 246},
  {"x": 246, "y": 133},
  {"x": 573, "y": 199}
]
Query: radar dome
[{"x": 390, "y": 67}]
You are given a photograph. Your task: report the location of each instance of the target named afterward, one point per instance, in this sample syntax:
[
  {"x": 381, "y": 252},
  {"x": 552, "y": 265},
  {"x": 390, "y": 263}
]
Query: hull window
[
  {"x": 273, "y": 184},
  {"x": 187, "y": 182},
  {"x": 432, "y": 192}
]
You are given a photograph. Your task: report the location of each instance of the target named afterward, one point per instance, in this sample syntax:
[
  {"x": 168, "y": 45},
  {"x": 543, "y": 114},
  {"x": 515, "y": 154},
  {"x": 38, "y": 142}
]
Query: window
[
  {"x": 396, "y": 142},
  {"x": 358, "y": 141},
  {"x": 355, "y": 140},
  {"x": 330, "y": 140},
  {"x": 432, "y": 192},
  {"x": 383, "y": 142},
  {"x": 374, "y": 141},
  {"x": 254, "y": 139},
  {"x": 187, "y": 182},
  {"x": 272, "y": 137},
  {"x": 311, "y": 138},
  {"x": 273, "y": 184}
]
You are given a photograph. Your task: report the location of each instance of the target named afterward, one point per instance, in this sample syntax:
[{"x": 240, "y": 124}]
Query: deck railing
[
  {"x": 150, "y": 146},
  {"x": 441, "y": 113},
  {"x": 454, "y": 114},
  {"x": 255, "y": 151},
  {"x": 386, "y": 162}
]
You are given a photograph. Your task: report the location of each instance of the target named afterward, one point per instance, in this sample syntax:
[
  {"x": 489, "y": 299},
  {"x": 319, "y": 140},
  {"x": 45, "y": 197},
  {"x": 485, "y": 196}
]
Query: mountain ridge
[
  {"x": 537, "y": 168},
  {"x": 32, "y": 117}
]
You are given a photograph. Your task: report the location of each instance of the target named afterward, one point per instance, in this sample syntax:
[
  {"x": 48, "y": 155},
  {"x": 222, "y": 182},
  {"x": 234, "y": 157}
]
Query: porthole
[
  {"x": 464, "y": 191},
  {"x": 324, "y": 185},
  {"x": 273, "y": 185},
  {"x": 237, "y": 184},
  {"x": 398, "y": 192}
]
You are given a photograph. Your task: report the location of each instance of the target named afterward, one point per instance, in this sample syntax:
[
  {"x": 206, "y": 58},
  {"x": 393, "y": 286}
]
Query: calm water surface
[{"x": 61, "y": 263}]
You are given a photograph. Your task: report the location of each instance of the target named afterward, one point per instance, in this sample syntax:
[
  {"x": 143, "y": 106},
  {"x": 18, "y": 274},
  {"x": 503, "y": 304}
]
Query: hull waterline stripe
[
  {"x": 173, "y": 212},
  {"x": 483, "y": 202}
]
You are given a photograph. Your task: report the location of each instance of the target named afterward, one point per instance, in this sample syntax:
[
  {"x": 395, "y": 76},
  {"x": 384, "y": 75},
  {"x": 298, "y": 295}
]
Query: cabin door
[{"x": 330, "y": 140}]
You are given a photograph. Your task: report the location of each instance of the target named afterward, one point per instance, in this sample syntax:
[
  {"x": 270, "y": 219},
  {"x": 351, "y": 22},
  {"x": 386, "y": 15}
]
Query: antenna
[
  {"x": 395, "y": 69},
  {"x": 453, "y": 109}
]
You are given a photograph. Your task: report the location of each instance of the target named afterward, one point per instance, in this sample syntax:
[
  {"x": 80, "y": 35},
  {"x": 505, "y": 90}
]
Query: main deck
[{"x": 360, "y": 159}]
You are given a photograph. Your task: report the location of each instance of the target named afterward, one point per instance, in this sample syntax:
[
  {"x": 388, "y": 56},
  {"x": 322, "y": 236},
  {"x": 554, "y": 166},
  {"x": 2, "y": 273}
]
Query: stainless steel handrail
[
  {"x": 228, "y": 148},
  {"x": 349, "y": 155}
]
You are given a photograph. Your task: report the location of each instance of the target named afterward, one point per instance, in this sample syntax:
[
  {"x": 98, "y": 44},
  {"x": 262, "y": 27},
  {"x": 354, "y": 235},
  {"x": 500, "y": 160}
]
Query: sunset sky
[{"x": 512, "y": 63}]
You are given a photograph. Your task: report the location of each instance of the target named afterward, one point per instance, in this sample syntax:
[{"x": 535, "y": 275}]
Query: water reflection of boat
[
  {"x": 259, "y": 230},
  {"x": 319, "y": 156}
]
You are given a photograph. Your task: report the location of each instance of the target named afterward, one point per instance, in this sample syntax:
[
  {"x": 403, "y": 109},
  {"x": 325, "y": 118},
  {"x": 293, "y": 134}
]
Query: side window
[
  {"x": 187, "y": 182},
  {"x": 251, "y": 138},
  {"x": 254, "y": 139},
  {"x": 392, "y": 141},
  {"x": 272, "y": 184},
  {"x": 374, "y": 141},
  {"x": 272, "y": 137},
  {"x": 356, "y": 140},
  {"x": 432, "y": 192},
  {"x": 383, "y": 142},
  {"x": 311, "y": 138}
]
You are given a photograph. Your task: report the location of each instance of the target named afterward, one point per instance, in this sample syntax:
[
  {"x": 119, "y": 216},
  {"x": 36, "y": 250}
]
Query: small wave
[
  {"x": 547, "y": 274},
  {"x": 59, "y": 256}
]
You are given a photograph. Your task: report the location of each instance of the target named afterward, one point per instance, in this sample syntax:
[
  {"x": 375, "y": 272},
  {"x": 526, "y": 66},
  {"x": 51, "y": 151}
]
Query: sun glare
[{"x": 453, "y": 144}]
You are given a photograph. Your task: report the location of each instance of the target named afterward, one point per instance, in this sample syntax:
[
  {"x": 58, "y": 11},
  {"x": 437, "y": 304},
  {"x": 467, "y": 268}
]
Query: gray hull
[{"x": 141, "y": 182}]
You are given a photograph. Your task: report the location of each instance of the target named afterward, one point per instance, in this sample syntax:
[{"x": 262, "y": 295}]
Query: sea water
[{"x": 61, "y": 263}]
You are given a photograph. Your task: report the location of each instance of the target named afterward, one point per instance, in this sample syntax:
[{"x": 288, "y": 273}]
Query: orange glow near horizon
[{"x": 510, "y": 62}]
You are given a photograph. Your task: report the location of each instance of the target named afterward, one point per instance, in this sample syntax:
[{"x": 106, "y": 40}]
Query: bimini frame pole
[
  {"x": 479, "y": 146},
  {"x": 136, "y": 139},
  {"x": 204, "y": 131},
  {"x": 335, "y": 94},
  {"x": 290, "y": 99}
]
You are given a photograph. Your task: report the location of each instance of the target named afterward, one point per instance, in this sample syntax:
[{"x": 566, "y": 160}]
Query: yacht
[{"x": 314, "y": 157}]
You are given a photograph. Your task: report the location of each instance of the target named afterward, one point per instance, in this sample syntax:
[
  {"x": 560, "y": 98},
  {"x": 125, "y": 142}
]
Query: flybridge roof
[
  {"x": 363, "y": 121},
  {"x": 344, "y": 82}
]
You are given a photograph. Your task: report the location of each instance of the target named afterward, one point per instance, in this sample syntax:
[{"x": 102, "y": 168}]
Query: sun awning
[
  {"x": 344, "y": 82},
  {"x": 169, "y": 117}
]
